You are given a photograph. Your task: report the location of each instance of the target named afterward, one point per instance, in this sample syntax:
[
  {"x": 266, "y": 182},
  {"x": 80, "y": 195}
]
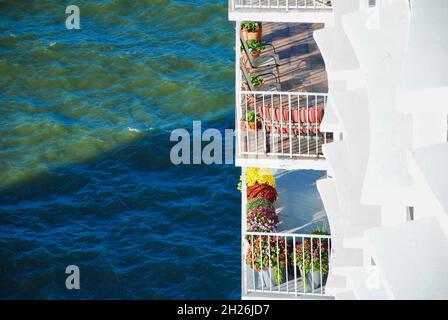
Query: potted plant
[
  {"x": 258, "y": 175},
  {"x": 256, "y": 80},
  {"x": 313, "y": 267},
  {"x": 255, "y": 47},
  {"x": 268, "y": 257},
  {"x": 261, "y": 216},
  {"x": 249, "y": 121},
  {"x": 251, "y": 31},
  {"x": 263, "y": 191}
]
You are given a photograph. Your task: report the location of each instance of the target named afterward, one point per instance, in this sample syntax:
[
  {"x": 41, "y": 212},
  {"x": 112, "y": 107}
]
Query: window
[{"x": 409, "y": 213}]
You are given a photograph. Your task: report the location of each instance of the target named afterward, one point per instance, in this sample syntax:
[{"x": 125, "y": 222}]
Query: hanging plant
[
  {"x": 263, "y": 190},
  {"x": 258, "y": 175},
  {"x": 258, "y": 202},
  {"x": 262, "y": 219}
]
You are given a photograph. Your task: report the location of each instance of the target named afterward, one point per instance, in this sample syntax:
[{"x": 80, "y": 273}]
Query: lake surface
[{"x": 85, "y": 174}]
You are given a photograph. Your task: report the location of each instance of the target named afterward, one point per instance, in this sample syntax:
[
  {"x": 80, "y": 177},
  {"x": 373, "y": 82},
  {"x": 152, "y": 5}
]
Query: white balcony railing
[
  {"x": 280, "y": 4},
  {"x": 282, "y": 263},
  {"x": 281, "y": 124}
]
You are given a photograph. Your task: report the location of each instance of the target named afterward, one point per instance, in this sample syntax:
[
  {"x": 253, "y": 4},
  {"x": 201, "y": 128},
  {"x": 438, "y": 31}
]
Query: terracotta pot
[
  {"x": 250, "y": 126},
  {"x": 255, "y": 54},
  {"x": 256, "y": 35}
]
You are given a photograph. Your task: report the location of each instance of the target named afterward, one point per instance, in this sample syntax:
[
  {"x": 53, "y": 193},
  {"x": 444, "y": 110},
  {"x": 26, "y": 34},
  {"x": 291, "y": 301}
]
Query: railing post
[
  {"x": 238, "y": 95},
  {"x": 243, "y": 231},
  {"x": 295, "y": 265},
  {"x": 290, "y": 126}
]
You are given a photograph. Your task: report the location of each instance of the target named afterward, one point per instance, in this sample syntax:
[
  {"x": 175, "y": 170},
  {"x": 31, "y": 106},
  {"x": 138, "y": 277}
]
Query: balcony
[
  {"x": 287, "y": 131},
  {"x": 306, "y": 11},
  {"x": 287, "y": 256},
  {"x": 278, "y": 120}
]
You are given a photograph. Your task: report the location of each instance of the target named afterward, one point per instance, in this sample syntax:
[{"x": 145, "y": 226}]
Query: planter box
[
  {"x": 263, "y": 279},
  {"x": 314, "y": 280}
]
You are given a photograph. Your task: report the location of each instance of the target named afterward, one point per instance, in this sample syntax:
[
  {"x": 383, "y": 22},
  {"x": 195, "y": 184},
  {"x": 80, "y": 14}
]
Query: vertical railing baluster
[
  {"x": 281, "y": 122},
  {"x": 263, "y": 108},
  {"x": 295, "y": 264},
  {"x": 252, "y": 257},
  {"x": 256, "y": 124},
  {"x": 303, "y": 266},
  {"x": 320, "y": 264},
  {"x": 299, "y": 124},
  {"x": 286, "y": 264},
  {"x": 290, "y": 126},
  {"x": 247, "y": 125},
  {"x": 307, "y": 125},
  {"x": 312, "y": 265},
  {"x": 270, "y": 264},
  {"x": 261, "y": 265},
  {"x": 240, "y": 115},
  {"x": 278, "y": 263},
  {"x": 272, "y": 124},
  {"x": 316, "y": 125}
]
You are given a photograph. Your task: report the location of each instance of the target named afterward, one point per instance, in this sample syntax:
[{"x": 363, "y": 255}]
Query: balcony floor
[
  {"x": 302, "y": 66},
  {"x": 279, "y": 145},
  {"x": 286, "y": 290}
]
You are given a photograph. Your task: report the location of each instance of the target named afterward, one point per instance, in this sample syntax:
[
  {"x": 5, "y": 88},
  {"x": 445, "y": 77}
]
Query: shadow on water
[
  {"x": 111, "y": 202},
  {"x": 136, "y": 225}
]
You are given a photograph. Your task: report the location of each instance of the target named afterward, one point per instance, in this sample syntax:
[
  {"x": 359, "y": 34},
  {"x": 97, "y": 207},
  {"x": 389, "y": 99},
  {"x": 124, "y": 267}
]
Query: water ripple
[{"x": 85, "y": 176}]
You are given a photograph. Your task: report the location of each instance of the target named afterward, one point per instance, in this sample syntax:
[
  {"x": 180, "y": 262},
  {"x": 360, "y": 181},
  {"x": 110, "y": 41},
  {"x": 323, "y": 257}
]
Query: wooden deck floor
[
  {"x": 270, "y": 145},
  {"x": 302, "y": 67}
]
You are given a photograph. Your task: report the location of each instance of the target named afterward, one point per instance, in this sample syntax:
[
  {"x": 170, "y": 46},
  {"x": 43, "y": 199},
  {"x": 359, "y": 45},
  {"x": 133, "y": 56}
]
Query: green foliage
[
  {"x": 268, "y": 252},
  {"x": 250, "y": 116},
  {"x": 250, "y": 26},
  {"x": 258, "y": 202},
  {"x": 255, "y": 46},
  {"x": 256, "y": 80},
  {"x": 318, "y": 260}
]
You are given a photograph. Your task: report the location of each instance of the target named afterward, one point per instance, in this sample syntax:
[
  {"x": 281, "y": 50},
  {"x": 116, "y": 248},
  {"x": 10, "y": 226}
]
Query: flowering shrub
[
  {"x": 268, "y": 252},
  {"x": 319, "y": 257},
  {"x": 259, "y": 202},
  {"x": 261, "y": 216},
  {"x": 258, "y": 175},
  {"x": 262, "y": 219},
  {"x": 264, "y": 191}
]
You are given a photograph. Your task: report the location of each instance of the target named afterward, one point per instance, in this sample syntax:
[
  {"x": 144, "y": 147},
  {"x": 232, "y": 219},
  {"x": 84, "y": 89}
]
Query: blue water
[{"x": 85, "y": 174}]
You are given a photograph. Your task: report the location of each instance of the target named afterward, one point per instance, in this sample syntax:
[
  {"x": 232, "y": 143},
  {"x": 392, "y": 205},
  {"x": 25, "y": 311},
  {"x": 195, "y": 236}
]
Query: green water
[{"x": 85, "y": 175}]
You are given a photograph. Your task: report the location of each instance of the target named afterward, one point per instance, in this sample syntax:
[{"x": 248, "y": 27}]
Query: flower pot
[
  {"x": 314, "y": 280},
  {"x": 256, "y": 35},
  {"x": 250, "y": 126},
  {"x": 265, "y": 279},
  {"x": 255, "y": 54}
]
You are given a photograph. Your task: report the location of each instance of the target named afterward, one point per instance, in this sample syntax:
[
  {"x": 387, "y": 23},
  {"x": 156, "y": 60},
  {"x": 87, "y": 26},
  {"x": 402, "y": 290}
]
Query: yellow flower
[{"x": 258, "y": 175}]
